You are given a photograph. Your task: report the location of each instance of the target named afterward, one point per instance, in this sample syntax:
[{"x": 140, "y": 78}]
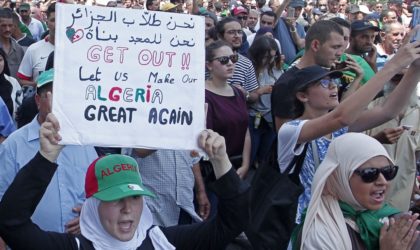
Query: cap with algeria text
[{"x": 113, "y": 177}]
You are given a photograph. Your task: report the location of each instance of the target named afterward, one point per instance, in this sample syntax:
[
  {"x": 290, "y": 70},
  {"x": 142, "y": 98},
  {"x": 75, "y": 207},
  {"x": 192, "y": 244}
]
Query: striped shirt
[{"x": 244, "y": 74}]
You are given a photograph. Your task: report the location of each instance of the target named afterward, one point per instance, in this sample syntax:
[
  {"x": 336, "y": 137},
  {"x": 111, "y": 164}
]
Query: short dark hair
[
  {"x": 321, "y": 31},
  {"x": 50, "y": 9},
  {"x": 6, "y": 13},
  {"x": 220, "y": 26},
  {"x": 342, "y": 22},
  {"x": 384, "y": 13},
  {"x": 269, "y": 13}
]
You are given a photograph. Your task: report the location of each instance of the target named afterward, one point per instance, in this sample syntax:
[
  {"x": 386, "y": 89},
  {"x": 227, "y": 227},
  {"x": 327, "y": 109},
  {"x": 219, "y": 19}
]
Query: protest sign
[{"x": 128, "y": 78}]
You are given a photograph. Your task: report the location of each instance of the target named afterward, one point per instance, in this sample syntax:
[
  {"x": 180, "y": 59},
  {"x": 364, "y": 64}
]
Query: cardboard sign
[{"x": 128, "y": 78}]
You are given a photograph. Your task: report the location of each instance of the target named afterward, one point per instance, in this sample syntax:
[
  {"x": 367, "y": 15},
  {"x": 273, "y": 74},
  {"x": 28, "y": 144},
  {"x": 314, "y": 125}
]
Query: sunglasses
[
  {"x": 242, "y": 17},
  {"x": 223, "y": 60},
  {"x": 369, "y": 175},
  {"x": 325, "y": 83}
]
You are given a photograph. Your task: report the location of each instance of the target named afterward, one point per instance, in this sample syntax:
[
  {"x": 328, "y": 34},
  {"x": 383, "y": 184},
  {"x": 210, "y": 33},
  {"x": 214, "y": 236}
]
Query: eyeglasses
[
  {"x": 325, "y": 83},
  {"x": 223, "y": 60},
  {"x": 242, "y": 17},
  {"x": 370, "y": 175},
  {"x": 234, "y": 32}
]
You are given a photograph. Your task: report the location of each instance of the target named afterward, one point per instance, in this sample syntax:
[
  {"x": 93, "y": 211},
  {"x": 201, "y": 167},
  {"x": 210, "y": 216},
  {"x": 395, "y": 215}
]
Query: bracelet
[{"x": 292, "y": 30}]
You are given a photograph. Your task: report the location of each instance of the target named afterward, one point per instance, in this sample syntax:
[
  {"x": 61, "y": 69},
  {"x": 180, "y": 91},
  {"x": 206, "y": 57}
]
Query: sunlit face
[
  {"x": 342, "y": 4},
  {"x": 216, "y": 68},
  {"x": 43, "y": 105},
  {"x": 252, "y": 19},
  {"x": 393, "y": 38},
  {"x": 346, "y": 32},
  {"x": 331, "y": 50},
  {"x": 51, "y": 23},
  {"x": 267, "y": 21},
  {"x": 121, "y": 218},
  {"x": 233, "y": 34},
  {"x": 370, "y": 195},
  {"x": 321, "y": 98},
  {"x": 6, "y": 27},
  {"x": 333, "y": 6},
  {"x": 379, "y": 7},
  {"x": 363, "y": 41},
  {"x": 391, "y": 17}
]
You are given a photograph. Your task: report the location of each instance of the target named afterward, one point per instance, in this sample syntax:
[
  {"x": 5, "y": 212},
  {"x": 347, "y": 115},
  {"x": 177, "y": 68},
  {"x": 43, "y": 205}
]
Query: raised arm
[{"x": 350, "y": 110}]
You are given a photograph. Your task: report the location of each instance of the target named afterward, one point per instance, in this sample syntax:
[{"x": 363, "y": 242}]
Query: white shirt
[{"x": 34, "y": 60}]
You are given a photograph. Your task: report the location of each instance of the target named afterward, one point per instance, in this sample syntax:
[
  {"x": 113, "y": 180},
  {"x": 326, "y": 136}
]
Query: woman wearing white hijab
[
  {"x": 114, "y": 215},
  {"x": 347, "y": 209}
]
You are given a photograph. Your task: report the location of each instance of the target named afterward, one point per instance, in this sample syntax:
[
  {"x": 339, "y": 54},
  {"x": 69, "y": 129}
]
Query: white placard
[{"x": 128, "y": 78}]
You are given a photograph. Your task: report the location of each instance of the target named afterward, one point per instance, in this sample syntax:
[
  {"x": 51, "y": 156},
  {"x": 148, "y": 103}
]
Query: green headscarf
[{"x": 368, "y": 222}]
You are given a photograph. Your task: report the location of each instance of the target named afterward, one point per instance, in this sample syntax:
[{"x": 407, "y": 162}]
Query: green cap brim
[{"x": 122, "y": 191}]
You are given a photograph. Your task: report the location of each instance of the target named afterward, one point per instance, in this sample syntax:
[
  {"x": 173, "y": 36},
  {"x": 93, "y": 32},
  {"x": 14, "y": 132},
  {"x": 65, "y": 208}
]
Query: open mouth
[
  {"x": 125, "y": 226},
  {"x": 378, "y": 196}
]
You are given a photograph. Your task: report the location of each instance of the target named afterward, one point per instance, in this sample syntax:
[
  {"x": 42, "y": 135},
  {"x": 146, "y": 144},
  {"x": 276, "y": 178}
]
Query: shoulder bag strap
[
  {"x": 315, "y": 154},
  {"x": 297, "y": 162}
]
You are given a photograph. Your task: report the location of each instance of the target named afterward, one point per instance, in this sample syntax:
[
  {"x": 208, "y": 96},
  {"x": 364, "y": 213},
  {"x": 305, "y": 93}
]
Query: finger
[
  {"x": 77, "y": 209},
  {"x": 202, "y": 137},
  {"x": 384, "y": 229},
  {"x": 53, "y": 120},
  {"x": 413, "y": 239},
  {"x": 74, "y": 222},
  {"x": 49, "y": 101}
]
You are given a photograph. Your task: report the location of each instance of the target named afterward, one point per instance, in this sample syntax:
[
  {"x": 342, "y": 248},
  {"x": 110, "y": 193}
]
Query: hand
[
  {"x": 49, "y": 137},
  {"x": 267, "y": 89},
  {"x": 203, "y": 204},
  {"x": 242, "y": 171},
  {"x": 352, "y": 65},
  {"x": 73, "y": 226},
  {"x": 214, "y": 145},
  {"x": 291, "y": 21},
  {"x": 406, "y": 55},
  {"x": 399, "y": 233},
  {"x": 389, "y": 135},
  {"x": 371, "y": 57}
]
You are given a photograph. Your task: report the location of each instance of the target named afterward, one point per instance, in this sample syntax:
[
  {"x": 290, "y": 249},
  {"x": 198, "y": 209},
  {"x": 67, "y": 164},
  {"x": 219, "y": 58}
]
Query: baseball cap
[
  {"x": 45, "y": 78},
  {"x": 283, "y": 94},
  {"x": 395, "y": 2},
  {"x": 360, "y": 25},
  {"x": 168, "y": 6},
  {"x": 113, "y": 177},
  {"x": 359, "y": 8},
  {"x": 238, "y": 10},
  {"x": 24, "y": 6},
  {"x": 297, "y": 3}
]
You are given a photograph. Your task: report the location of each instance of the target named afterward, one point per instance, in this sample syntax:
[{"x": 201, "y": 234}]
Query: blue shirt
[
  {"x": 66, "y": 189},
  {"x": 288, "y": 47},
  {"x": 7, "y": 126}
]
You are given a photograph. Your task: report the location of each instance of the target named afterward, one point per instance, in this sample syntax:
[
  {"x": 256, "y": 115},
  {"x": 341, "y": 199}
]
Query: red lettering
[{"x": 115, "y": 97}]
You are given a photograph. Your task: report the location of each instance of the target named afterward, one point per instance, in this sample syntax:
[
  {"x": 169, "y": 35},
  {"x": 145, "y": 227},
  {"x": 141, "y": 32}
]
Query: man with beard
[
  {"x": 362, "y": 36},
  {"x": 392, "y": 35}
]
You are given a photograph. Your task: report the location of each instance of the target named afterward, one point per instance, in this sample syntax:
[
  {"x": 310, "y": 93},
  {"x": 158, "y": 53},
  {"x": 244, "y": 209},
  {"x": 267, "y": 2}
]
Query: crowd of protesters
[{"x": 290, "y": 77}]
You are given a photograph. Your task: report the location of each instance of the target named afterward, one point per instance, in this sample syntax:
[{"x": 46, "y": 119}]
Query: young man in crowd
[{"x": 34, "y": 25}]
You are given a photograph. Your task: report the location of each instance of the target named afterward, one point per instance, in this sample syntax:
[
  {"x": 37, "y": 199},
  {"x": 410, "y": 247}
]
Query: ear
[
  {"x": 315, "y": 44},
  {"x": 301, "y": 96},
  {"x": 37, "y": 100},
  {"x": 209, "y": 66},
  {"x": 382, "y": 34}
]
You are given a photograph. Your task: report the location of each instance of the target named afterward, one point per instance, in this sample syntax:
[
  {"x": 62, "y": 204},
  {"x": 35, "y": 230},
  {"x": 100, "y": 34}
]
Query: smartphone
[
  {"x": 415, "y": 21},
  {"x": 291, "y": 12},
  {"x": 340, "y": 65}
]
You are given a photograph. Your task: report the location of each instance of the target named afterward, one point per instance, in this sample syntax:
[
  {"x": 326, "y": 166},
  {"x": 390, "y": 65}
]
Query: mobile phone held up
[
  {"x": 290, "y": 12},
  {"x": 415, "y": 21}
]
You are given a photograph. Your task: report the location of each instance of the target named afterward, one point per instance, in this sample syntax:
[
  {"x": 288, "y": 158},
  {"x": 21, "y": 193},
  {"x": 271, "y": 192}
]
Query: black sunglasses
[
  {"x": 225, "y": 59},
  {"x": 369, "y": 175}
]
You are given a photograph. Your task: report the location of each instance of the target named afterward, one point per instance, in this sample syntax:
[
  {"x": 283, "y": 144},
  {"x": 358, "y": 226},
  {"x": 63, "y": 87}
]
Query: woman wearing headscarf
[
  {"x": 8, "y": 85},
  {"x": 114, "y": 215},
  {"x": 347, "y": 209}
]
